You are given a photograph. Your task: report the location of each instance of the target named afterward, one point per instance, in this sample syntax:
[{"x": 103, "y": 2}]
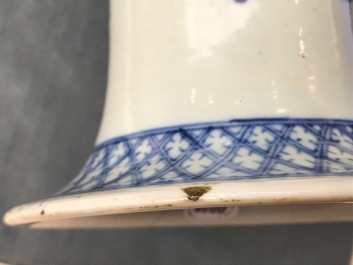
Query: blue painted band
[{"x": 219, "y": 151}]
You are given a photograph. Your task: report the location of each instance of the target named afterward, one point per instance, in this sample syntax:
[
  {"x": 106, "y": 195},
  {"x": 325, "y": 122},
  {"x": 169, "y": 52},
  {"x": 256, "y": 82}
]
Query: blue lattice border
[{"x": 218, "y": 151}]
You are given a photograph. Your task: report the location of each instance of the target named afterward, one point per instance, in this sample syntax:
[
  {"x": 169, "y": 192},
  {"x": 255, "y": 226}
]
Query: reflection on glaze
[{"x": 302, "y": 52}]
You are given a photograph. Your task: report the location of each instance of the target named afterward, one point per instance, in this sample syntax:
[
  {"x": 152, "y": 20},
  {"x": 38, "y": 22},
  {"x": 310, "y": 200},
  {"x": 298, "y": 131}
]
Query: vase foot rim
[{"x": 184, "y": 196}]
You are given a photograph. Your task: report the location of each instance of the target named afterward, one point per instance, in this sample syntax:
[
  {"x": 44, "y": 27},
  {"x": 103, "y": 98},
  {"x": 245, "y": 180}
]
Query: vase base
[
  {"x": 245, "y": 216},
  {"x": 168, "y": 205}
]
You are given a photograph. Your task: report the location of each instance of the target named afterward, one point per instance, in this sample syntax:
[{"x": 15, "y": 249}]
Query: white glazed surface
[{"x": 188, "y": 61}]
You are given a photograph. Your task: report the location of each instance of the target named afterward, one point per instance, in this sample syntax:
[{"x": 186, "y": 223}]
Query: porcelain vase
[{"x": 212, "y": 107}]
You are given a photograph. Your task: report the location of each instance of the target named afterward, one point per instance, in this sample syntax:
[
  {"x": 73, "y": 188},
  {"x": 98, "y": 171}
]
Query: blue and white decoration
[{"x": 232, "y": 150}]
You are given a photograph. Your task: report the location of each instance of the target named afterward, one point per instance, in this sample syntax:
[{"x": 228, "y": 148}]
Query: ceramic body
[
  {"x": 214, "y": 103},
  {"x": 185, "y": 62}
]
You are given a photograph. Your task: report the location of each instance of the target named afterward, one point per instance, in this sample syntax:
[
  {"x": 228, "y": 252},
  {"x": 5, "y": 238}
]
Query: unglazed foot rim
[{"x": 184, "y": 196}]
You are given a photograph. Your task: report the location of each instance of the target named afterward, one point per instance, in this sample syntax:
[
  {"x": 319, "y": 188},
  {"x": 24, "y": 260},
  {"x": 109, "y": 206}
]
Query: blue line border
[{"x": 284, "y": 120}]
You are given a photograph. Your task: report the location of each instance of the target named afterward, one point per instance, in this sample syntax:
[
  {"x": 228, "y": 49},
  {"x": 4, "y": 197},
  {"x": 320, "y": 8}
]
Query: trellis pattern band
[{"x": 232, "y": 150}]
